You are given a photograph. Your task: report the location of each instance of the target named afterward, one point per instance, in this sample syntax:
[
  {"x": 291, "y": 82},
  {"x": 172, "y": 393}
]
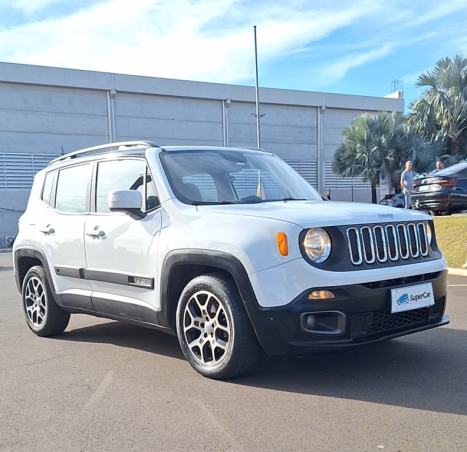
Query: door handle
[
  {"x": 47, "y": 230},
  {"x": 96, "y": 234}
]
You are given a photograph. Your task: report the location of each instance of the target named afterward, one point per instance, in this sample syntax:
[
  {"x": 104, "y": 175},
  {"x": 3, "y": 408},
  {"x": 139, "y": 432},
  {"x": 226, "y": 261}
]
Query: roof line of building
[{"x": 106, "y": 81}]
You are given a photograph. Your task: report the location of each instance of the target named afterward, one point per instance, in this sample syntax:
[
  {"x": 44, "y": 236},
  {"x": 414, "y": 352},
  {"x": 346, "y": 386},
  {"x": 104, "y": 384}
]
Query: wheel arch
[
  {"x": 181, "y": 266},
  {"x": 25, "y": 259}
]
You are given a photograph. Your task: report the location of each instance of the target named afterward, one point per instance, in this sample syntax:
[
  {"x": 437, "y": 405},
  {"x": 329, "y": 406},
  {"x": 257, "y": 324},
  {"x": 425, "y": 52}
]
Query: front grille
[
  {"x": 381, "y": 321},
  {"x": 391, "y": 242}
]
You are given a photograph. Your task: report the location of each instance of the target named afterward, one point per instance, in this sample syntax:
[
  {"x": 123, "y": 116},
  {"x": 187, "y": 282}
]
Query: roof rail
[
  {"x": 120, "y": 146},
  {"x": 254, "y": 149}
]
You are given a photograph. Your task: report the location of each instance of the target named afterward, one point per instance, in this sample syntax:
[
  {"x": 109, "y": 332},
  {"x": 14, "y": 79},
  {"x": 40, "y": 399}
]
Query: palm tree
[
  {"x": 381, "y": 140},
  {"x": 440, "y": 114}
]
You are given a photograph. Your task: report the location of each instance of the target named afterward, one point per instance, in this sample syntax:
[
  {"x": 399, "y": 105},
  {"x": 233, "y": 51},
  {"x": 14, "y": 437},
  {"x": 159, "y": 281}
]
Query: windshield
[{"x": 233, "y": 177}]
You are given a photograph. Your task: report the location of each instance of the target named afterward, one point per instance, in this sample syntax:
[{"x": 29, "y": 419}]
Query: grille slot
[
  {"x": 421, "y": 228},
  {"x": 380, "y": 242},
  {"x": 355, "y": 247},
  {"x": 403, "y": 238},
  {"x": 391, "y": 242}
]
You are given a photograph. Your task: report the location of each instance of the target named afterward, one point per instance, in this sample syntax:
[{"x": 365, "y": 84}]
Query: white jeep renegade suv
[{"x": 229, "y": 249}]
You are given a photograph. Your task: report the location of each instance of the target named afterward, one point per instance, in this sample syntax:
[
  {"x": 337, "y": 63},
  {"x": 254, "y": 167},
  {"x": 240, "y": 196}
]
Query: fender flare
[
  {"x": 208, "y": 258},
  {"x": 29, "y": 252}
]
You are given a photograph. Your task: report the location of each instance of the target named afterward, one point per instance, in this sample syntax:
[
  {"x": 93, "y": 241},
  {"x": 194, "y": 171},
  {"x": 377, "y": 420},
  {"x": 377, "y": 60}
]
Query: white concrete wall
[
  {"x": 168, "y": 120},
  {"x": 44, "y": 109},
  {"x": 43, "y": 119}
]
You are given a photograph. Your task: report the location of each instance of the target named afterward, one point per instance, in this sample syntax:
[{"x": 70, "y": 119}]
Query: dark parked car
[
  {"x": 444, "y": 192},
  {"x": 394, "y": 200}
]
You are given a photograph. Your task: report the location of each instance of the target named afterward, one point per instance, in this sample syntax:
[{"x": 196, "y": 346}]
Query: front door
[{"x": 121, "y": 250}]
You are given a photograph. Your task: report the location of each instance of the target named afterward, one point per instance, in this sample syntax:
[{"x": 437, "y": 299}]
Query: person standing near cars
[
  {"x": 439, "y": 167},
  {"x": 407, "y": 183}
]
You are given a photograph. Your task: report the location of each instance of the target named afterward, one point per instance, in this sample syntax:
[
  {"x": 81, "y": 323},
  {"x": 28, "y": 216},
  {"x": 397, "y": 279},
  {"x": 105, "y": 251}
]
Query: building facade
[{"x": 46, "y": 112}]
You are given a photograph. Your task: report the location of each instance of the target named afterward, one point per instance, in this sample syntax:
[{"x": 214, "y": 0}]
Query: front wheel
[
  {"x": 43, "y": 316},
  {"x": 214, "y": 330}
]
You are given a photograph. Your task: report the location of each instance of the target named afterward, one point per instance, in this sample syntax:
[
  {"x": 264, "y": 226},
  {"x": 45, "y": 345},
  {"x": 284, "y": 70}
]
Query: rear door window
[{"x": 73, "y": 188}]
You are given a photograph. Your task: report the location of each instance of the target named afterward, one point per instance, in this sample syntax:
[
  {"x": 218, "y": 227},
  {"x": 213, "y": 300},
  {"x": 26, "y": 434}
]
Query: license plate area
[{"x": 412, "y": 297}]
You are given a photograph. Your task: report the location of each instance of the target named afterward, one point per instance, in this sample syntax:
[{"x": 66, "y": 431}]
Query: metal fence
[{"x": 17, "y": 170}]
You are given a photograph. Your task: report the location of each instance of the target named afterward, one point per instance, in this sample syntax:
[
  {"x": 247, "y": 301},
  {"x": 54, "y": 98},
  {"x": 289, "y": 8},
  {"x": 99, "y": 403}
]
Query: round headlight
[
  {"x": 429, "y": 233},
  {"x": 317, "y": 245}
]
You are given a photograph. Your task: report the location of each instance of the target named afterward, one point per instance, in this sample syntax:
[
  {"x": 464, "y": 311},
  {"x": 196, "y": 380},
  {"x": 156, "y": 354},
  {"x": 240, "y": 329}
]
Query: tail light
[{"x": 446, "y": 182}]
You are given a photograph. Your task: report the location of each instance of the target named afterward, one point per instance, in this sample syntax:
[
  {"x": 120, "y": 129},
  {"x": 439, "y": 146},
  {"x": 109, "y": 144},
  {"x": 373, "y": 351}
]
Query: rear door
[
  {"x": 60, "y": 232},
  {"x": 121, "y": 249}
]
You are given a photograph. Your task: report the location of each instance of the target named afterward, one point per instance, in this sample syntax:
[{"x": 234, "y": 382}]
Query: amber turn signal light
[
  {"x": 282, "y": 243},
  {"x": 320, "y": 295}
]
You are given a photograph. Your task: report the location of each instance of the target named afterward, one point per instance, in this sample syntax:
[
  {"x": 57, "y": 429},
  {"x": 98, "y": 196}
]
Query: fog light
[
  {"x": 320, "y": 295},
  {"x": 310, "y": 321}
]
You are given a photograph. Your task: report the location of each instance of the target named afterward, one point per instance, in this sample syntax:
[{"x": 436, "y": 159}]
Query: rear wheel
[
  {"x": 214, "y": 330},
  {"x": 43, "y": 316}
]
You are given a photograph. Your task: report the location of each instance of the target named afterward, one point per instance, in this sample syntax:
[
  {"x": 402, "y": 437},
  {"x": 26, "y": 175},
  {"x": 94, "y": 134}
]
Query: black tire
[
  {"x": 43, "y": 316},
  {"x": 223, "y": 307},
  {"x": 435, "y": 213}
]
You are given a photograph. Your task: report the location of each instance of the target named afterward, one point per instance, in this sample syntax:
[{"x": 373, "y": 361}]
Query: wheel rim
[
  {"x": 206, "y": 329},
  {"x": 35, "y": 301}
]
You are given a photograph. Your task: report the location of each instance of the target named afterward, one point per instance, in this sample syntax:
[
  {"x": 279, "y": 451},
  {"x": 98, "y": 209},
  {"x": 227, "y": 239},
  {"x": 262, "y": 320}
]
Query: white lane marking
[{"x": 99, "y": 391}]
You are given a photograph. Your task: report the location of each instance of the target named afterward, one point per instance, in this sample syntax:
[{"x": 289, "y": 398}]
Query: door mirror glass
[{"x": 128, "y": 201}]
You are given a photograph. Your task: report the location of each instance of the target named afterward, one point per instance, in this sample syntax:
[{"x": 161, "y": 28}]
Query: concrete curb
[{"x": 457, "y": 271}]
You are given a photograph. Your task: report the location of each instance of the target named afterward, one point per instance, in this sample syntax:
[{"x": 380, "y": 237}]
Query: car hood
[{"x": 318, "y": 213}]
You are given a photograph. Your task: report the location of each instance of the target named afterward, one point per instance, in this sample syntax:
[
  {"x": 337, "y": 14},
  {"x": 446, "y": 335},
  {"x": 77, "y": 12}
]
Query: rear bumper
[
  {"x": 431, "y": 202},
  {"x": 359, "y": 314}
]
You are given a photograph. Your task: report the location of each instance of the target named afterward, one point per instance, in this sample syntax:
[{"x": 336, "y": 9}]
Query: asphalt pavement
[{"x": 107, "y": 386}]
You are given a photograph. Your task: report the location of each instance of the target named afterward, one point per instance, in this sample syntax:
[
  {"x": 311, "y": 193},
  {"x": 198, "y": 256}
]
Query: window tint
[
  {"x": 258, "y": 183},
  {"x": 124, "y": 175},
  {"x": 199, "y": 187},
  {"x": 72, "y": 189},
  {"x": 47, "y": 190},
  {"x": 152, "y": 198}
]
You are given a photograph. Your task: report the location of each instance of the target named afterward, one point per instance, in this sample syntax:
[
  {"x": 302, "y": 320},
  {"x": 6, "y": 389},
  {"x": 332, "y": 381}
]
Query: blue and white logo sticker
[{"x": 404, "y": 298}]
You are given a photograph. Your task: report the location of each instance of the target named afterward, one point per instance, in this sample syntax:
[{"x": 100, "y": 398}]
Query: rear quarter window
[{"x": 47, "y": 188}]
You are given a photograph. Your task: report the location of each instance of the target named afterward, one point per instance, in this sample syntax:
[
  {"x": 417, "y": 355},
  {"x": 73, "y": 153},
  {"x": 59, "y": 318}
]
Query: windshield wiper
[{"x": 211, "y": 203}]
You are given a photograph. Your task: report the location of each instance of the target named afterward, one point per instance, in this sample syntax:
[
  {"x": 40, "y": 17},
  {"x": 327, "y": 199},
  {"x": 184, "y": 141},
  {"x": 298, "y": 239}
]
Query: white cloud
[
  {"x": 206, "y": 39},
  {"x": 31, "y": 6},
  {"x": 173, "y": 38},
  {"x": 411, "y": 79},
  {"x": 338, "y": 69}
]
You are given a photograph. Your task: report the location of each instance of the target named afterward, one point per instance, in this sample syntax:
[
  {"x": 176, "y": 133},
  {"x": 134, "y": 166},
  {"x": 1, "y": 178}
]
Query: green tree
[
  {"x": 440, "y": 114},
  {"x": 380, "y": 140}
]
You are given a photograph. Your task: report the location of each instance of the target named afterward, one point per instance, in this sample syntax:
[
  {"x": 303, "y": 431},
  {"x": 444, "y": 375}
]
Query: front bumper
[{"x": 358, "y": 314}]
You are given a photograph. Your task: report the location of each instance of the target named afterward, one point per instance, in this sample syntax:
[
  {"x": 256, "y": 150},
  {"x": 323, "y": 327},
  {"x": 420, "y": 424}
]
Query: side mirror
[{"x": 128, "y": 201}]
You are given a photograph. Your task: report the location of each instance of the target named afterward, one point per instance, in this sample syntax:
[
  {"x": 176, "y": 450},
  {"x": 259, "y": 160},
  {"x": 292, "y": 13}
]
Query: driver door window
[{"x": 125, "y": 175}]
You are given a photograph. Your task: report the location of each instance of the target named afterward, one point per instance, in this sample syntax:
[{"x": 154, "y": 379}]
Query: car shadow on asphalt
[
  {"x": 426, "y": 371},
  {"x": 128, "y": 336}
]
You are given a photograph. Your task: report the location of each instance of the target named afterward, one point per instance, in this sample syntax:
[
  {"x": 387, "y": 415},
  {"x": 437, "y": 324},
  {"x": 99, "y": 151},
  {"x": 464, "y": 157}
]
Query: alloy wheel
[
  {"x": 35, "y": 302},
  {"x": 206, "y": 328}
]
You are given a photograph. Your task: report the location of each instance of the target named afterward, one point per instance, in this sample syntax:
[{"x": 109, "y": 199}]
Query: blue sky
[{"x": 353, "y": 47}]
